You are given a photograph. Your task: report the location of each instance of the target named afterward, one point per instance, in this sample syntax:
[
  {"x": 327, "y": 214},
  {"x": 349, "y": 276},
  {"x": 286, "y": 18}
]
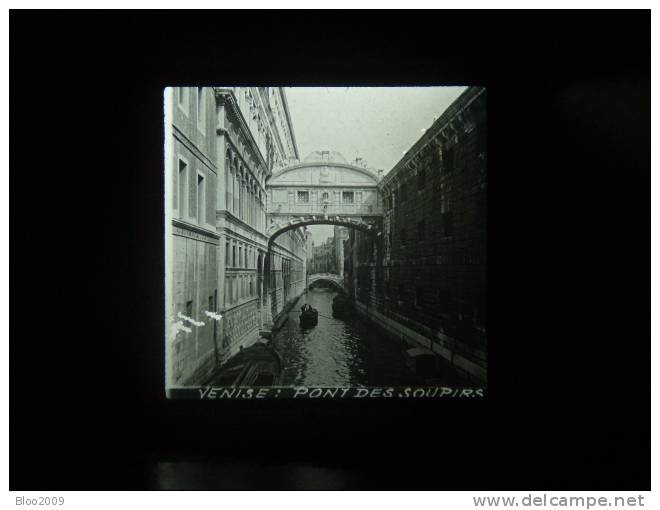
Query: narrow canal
[{"x": 336, "y": 352}]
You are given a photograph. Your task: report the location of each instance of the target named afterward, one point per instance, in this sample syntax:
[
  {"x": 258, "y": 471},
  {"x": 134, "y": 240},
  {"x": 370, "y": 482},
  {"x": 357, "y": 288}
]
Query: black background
[{"x": 568, "y": 403}]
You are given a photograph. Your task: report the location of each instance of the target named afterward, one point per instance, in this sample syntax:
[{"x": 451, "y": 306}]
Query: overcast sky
[{"x": 376, "y": 124}]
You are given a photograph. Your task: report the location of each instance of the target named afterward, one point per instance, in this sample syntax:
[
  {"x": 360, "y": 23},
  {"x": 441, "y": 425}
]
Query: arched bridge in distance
[{"x": 331, "y": 278}]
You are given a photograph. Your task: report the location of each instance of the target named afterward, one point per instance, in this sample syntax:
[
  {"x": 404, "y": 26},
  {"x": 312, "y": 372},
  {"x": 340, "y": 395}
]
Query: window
[
  {"x": 326, "y": 197},
  {"x": 240, "y": 256},
  {"x": 448, "y": 160},
  {"x": 347, "y": 197},
  {"x": 421, "y": 179},
  {"x": 183, "y": 187},
  {"x": 303, "y": 197},
  {"x": 233, "y": 256},
  {"x": 201, "y": 111},
  {"x": 403, "y": 236},
  {"x": 227, "y": 253},
  {"x": 182, "y": 98},
  {"x": 403, "y": 193},
  {"x": 189, "y": 309},
  {"x": 421, "y": 230},
  {"x": 201, "y": 199}
]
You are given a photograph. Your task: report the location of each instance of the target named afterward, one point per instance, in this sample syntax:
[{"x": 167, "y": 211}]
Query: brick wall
[{"x": 431, "y": 274}]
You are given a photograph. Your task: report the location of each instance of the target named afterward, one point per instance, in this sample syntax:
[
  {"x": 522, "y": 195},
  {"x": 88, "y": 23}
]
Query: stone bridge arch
[
  {"x": 332, "y": 278},
  {"x": 281, "y": 224}
]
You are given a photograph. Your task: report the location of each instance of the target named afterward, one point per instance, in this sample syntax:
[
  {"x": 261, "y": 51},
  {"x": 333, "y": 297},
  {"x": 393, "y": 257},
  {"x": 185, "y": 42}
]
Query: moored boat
[
  {"x": 340, "y": 306},
  {"x": 258, "y": 365},
  {"x": 421, "y": 361}
]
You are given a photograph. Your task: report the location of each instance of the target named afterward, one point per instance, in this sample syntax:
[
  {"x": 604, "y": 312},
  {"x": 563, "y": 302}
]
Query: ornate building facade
[{"x": 224, "y": 145}]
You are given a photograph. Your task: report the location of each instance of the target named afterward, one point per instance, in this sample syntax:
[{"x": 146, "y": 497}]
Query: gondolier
[{"x": 309, "y": 317}]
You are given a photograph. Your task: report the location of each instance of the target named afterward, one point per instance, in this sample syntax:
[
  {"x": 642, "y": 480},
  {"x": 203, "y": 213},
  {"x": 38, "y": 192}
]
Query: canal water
[{"x": 337, "y": 352}]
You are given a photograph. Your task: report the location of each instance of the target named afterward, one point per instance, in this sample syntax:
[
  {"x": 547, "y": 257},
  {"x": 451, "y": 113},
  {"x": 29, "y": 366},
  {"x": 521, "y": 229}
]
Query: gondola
[
  {"x": 258, "y": 365},
  {"x": 309, "y": 318}
]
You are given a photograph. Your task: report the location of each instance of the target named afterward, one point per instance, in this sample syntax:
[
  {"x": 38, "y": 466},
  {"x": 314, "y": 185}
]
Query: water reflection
[{"x": 337, "y": 352}]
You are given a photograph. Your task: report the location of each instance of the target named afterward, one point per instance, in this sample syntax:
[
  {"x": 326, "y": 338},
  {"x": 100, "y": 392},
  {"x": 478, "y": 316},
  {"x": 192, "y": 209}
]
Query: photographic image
[
  {"x": 325, "y": 242},
  {"x": 338, "y": 250}
]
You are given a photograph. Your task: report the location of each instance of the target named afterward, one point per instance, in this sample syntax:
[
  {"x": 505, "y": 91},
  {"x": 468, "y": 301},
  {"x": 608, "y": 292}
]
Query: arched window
[
  {"x": 250, "y": 205},
  {"x": 255, "y": 202},
  {"x": 227, "y": 178},
  {"x": 236, "y": 187},
  {"x": 243, "y": 194}
]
